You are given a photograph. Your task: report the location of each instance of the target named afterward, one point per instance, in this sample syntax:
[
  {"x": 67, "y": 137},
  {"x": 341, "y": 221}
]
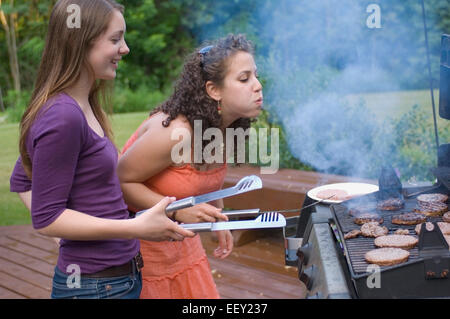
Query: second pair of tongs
[{"x": 266, "y": 220}]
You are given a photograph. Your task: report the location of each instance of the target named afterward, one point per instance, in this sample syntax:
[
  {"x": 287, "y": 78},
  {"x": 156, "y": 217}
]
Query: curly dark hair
[{"x": 190, "y": 97}]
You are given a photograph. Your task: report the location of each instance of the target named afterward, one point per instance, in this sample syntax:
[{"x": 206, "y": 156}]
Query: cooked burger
[
  {"x": 431, "y": 208},
  {"x": 396, "y": 241},
  {"x": 352, "y": 234},
  {"x": 367, "y": 217},
  {"x": 391, "y": 204},
  {"x": 373, "y": 229},
  {"x": 387, "y": 256},
  {"x": 432, "y": 198},
  {"x": 408, "y": 219},
  {"x": 446, "y": 217}
]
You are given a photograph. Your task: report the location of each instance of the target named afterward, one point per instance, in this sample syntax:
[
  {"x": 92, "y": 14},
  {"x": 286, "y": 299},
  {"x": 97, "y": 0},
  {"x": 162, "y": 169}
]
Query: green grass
[
  {"x": 394, "y": 104},
  {"x": 12, "y": 211}
]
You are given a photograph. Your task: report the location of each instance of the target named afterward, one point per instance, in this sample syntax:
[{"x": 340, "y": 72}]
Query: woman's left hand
[{"x": 225, "y": 244}]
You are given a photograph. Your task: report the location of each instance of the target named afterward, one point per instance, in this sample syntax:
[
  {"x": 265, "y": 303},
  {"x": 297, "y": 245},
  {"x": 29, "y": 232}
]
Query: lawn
[
  {"x": 394, "y": 104},
  {"x": 12, "y": 211}
]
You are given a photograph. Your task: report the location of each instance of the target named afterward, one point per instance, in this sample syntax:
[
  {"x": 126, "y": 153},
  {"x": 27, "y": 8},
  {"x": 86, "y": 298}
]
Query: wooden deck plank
[
  {"x": 258, "y": 282},
  {"x": 26, "y": 249},
  {"x": 253, "y": 271},
  {"x": 21, "y": 287},
  {"x": 26, "y": 274},
  {"x": 8, "y": 294},
  {"x": 33, "y": 239},
  {"x": 265, "y": 253},
  {"x": 26, "y": 261}
]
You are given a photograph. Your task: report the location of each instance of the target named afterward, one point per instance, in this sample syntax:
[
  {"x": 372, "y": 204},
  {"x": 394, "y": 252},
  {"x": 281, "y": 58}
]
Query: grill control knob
[
  {"x": 303, "y": 254},
  {"x": 307, "y": 277}
]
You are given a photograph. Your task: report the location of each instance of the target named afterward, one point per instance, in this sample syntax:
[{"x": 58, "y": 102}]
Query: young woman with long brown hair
[
  {"x": 219, "y": 88},
  {"x": 67, "y": 164}
]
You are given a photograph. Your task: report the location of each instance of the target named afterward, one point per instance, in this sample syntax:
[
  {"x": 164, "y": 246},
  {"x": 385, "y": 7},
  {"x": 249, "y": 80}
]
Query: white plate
[{"x": 350, "y": 188}]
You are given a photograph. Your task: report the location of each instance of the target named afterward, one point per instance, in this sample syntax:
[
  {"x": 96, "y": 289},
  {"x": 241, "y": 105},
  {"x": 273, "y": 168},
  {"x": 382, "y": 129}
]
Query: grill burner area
[
  {"x": 406, "y": 280},
  {"x": 357, "y": 247}
]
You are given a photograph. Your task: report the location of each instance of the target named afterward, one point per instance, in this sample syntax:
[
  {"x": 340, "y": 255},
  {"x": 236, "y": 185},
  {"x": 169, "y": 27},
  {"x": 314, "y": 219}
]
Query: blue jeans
[{"x": 124, "y": 287}]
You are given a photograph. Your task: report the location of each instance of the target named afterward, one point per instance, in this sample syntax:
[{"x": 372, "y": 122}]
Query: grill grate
[{"x": 357, "y": 247}]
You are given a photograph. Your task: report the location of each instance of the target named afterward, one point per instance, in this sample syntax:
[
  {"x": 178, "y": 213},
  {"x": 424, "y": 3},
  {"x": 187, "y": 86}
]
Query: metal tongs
[
  {"x": 245, "y": 184},
  {"x": 265, "y": 220}
]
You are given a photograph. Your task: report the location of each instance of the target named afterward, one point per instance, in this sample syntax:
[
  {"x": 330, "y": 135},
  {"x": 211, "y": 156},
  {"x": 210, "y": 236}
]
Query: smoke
[{"x": 313, "y": 54}]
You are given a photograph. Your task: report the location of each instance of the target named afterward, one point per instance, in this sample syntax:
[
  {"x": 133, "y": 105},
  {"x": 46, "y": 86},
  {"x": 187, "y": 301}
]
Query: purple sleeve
[
  {"x": 56, "y": 143},
  {"x": 19, "y": 181}
]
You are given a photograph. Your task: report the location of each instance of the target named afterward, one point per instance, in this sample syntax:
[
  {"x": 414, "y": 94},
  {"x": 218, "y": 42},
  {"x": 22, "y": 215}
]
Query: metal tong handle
[
  {"x": 266, "y": 220},
  {"x": 245, "y": 184}
]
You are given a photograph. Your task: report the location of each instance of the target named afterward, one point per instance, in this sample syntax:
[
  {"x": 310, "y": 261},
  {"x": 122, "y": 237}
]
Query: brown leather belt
[{"x": 134, "y": 265}]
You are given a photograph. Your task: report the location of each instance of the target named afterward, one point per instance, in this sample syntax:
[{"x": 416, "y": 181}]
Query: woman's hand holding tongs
[
  {"x": 154, "y": 225},
  {"x": 200, "y": 213}
]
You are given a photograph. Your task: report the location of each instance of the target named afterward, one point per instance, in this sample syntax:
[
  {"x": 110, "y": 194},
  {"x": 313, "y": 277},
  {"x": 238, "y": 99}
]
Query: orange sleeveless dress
[{"x": 179, "y": 269}]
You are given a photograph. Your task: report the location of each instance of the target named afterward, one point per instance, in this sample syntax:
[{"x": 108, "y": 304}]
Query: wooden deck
[{"x": 253, "y": 270}]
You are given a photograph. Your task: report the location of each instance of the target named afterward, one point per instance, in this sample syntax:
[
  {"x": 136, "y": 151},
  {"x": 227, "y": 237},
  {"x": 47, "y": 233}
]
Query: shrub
[{"x": 142, "y": 99}]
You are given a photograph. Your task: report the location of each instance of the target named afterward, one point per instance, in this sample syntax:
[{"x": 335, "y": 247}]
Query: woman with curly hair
[{"x": 219, "y": 88}]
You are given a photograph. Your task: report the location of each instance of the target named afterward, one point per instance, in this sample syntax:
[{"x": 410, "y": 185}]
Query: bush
[
  {"x": 142, "y": 99},
  {"x": 415, "y": 145},
  {"x": 16, "y": 103}
]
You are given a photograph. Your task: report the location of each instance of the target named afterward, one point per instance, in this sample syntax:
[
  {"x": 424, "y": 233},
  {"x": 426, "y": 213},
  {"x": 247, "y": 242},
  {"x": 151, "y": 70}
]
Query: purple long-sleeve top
[{"x": 74, "y": 168}]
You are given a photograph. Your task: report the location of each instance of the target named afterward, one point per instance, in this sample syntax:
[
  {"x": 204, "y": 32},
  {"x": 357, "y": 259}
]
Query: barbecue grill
[{"x": 332, "y": 267}]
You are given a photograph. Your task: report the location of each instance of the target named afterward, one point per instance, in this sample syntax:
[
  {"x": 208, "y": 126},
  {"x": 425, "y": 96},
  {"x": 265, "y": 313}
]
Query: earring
[{"x": 219, "y": 108}]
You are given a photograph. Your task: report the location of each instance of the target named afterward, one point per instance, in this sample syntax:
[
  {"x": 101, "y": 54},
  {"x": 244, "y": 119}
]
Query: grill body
[{"x": 405, "y": 280}]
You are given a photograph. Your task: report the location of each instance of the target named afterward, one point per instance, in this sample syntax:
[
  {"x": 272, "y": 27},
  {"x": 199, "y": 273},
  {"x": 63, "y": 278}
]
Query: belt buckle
[{"x": 139, "y": 261}]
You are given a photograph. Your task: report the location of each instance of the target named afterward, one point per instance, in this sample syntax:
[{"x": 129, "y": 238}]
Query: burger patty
[
  {"x": 396, "y": 241},
  {"x": 431, "y": 208},
  {"x": 387, "y": 256},
  {"x": 358, "y": 210},
  {"x": 333, "y": 194},
  {"x": 391, "y": 204},
  {"x": 401, "y": 231},
  {"x": 373, "y": 229},
  {"x": 408, "y": 219},
  {"x": 352, "y": 234},
  {"x": 363, "y": 218},
  {"x": 446, "y": 217},
  {"x": 432, "y": 198}
]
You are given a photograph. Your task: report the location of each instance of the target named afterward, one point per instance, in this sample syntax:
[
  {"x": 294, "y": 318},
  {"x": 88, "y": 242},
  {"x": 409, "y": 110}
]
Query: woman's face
[
  {"x": 109, "y": 48},
  {"x": 241, "y": 94}
]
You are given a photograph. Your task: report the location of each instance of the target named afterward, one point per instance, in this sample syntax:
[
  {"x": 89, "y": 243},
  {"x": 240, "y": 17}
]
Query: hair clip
[{"x": 203, "y": 52}]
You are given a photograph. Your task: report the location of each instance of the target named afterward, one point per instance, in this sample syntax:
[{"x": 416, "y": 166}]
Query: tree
[{"x": 8, "y": 19}]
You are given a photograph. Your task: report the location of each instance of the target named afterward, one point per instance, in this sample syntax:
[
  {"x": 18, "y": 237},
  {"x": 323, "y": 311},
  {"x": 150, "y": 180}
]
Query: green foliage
[
  {"x": 158, "y": 44},
  {"x": 16, "y": 104},
  {"x": 139, "y": 100},
  {"x": 415, "y": 146}
]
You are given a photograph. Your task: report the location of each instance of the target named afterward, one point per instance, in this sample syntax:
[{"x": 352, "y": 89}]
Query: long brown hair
[
  {"x": 190, "y": 97},
  {"x": 64, "y": 56}
]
